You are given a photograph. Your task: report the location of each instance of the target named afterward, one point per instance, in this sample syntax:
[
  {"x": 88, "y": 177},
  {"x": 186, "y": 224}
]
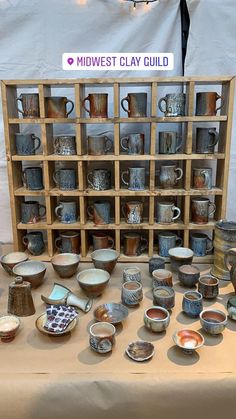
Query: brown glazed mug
[
  {"x": 137, "y": 104},
  {"x": 97, "y": 105},
  {"x": 99, "y": 145},
  {"x": 206, "y": 103},
  {"x": 133, "y": 212},
  {"x": 200, "y": 209},
  {"x": 102, "y": 241},
  {"x": 68, "y": 242},
  {"x": 133, "y": 244},
  {"x": 55, "y": 107},
  {"x": 30, "y": 105}
]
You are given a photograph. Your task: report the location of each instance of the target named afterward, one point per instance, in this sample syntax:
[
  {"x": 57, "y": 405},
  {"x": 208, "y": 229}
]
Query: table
[{"x": 45, "y": 377}]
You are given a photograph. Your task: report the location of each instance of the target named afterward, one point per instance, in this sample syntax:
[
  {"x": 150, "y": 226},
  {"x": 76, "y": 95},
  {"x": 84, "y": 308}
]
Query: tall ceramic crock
[{"x": 225, "y": 239}]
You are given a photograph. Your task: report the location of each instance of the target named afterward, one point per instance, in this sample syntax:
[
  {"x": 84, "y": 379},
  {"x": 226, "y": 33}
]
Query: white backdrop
[
  {"x": 35, "y": 33},
  {"x": 211, "y": 51}
]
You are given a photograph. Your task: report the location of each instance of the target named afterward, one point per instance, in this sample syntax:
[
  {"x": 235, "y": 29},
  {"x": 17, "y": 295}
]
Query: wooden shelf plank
[{"x": 27, "y": 192}]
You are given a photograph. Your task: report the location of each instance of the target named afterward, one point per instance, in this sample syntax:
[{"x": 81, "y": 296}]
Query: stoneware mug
[
  {"x": 201, "y": 210},
  {"x": 99, "y": 179},
  {"x": 34, "y": 242},
  {"x": 169, "y": 142},
  {"x": 133, "y": 144},
  {"x": 206, "y": 103},
  {"x": 133, "y": 212},
  {"x": 102, "y": 241},
  {"x": 64, "y": 145},
  {"x": 131, "y": 293},
  {"x": 26, "y": 144},
  {"x": 102, "y": 337},
  {"x": 134, "y": 244},
  {"x": 66, "y": 212},
  {"x": 30, "y": 212},
  {"x": 68, "y": 242},
  {"x": 136, "y": 178},
  {"x": 55, "y": 107},
  {"x": 169, "y": 175},
  {"x": 100, "y": 212},
  {"x": 200, "y": 244},
  {"x": 208, "y": 286},
  {"x": 166, "y": 212},
  {"x": 97, "y": 105},
  {"x": 33, "y": 178},
  {"x": 65, "y": 179},
  {"x": 137, "y": 104},
  {"x": 174, "y": 104},
  {"x": 99, "y": 145},
  {"x": 202, "y": 178},
  {"x": 206, "y": 140},
  {"x": 30, "y": 105},
  {"x": 166, "y": 241}
]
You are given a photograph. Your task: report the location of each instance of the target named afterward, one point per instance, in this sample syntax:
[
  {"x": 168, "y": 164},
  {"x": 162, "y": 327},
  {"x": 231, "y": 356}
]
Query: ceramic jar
[
  {"x": 136, "y": 178},
  {"x": 164, "y": 297},
  {"x": 66, "y": 212},
  {"x": 133, "y": 144},
  {"x": 26, "y": 144},
  {"x": 166, "y": 241},
  {"x": 134, "y": 244},
  {"x": 202, "y": 178}
]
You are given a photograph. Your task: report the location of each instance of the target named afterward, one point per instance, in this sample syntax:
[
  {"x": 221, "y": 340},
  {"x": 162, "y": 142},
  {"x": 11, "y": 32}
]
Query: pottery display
[
  {"x": 63, "y": 295},
  {"x": 164, "y": 297},
  {"x": 213, "y": 321},
  {"x": 224, "y": 239},
  {"x": 131, "y": 293},
  {"x": 9, "y": 325},
  {"x": 132, "y": 273},
  {"x": 174, "y": 104},
  {"x": 208, "y": 286},
  {"x": 102, "y": 337},
  {"x": 188, "y": 340},
  {"x": 98, "y": 103},
  {"x": 113, "y": 313},
  {"x": 231, "y": 307},
  {"x": 31, "y": 271},
  {"x": 188, "y": 275},
  {"x": 206, "y": 103},
  {"x": 20, "y": 301},
  {"x": 140, "y": 350},
  {"x": 98, "y": 145},
  {"x": 137, "y": 104},
  {"x": 34, "y": 242},
  {"x": 156, "y": 263},
  {"x": 180, "y": 256},
  {"x": 93, "y": 281},
  {"x": 65, "y": 264},
  {"x": 161, "y": 278},
  {"x": 192, "y": 303},
  {"x": 30, "y": 105},
  {"x": 133, "y": 143},
  {"x": 40, "y": 325},
  {"x": 105, "y": 259},
  {"x": 55, "y": 107},
  {"x": 9, "y": 260},
  {"x": 156, "y": 319}
]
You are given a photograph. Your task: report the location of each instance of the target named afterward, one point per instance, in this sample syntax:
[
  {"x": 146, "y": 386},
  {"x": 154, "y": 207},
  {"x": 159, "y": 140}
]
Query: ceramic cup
[
  {"x": 133, "y": 144},
  {"x": 180, "y": 256},
  {"x": 68, "y": 242},
  {"x": 66, "y": 212},
  {"x": 174, "y": 104},
  {"x": 200, "y": 244},
  {"x": 32, "y": 178},
  {"x": 156, "y": 319},
  {"x": 99, "y": 179},
  {"x": 136, "y": 178},
  {"x": 192, "y": 303},
  {"x": 166, "y": 212},
  {"x": 102, "y": 337},
  {"x": 202, "y": 178},
  {"x": 132, "y": 273},
  {"x": 137, "y": 104},
  {"x": 64, "y": 145},
  {"x": 97, "y": 105},
  {"x": 202, "y": 209},
  {"x": 134, "y": 244},
  {"x": 133, "y": 212},
  {"x": 161, "y": 278},
  {"x": 156, "y": 263},
  {"x": 188, "y": 275},
  {"x": 206, "y": 103},
  {"x": 55, "y": 107},
  {"x": 34, "y": 242},
  {"x": 26, "y": 144},
  {"x": 206, "y": 140},
  {"x": 102, "y": 241},
  {"x": 231, "y": 307},
  {"x": 99, "y": 212},
  {"x": 208, "y": 286},
  {"x": 30, "y": 105},
  {"x": 169, "y": 177},
  {"x": 99, "y": 145},
  {"x": 131, "y": 293},
  {"x": 164, "y": 297},
  {"x": 65, "y": 179},
  {"x": 166, "y": 241},
  {"x": 213, "y": 321},
  {"x": 169, "y": 142},
  {"x": 30, "y": 212}
]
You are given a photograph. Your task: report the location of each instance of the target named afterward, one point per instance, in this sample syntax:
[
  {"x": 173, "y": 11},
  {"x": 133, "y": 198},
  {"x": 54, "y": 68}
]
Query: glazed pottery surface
[
  {"x": 161, "y": 277},
  {"x": 41, "y": 321},
  {"x": 30, "y": 105},
  {"x": 224, "y": 239},
  {"x": 63, "y": 295},
  {"x": 156, "y": 319},
  {"x": 30, "y": 212},
  {"x": 192, "y": 303},
  {"x": 65, "y": 179},
  {"x": 201, "y": 244},
  {"x": 33, "y": 178},
  {"x": 202, "y": 178},
  {"x": 140, "y": 350},
  {"x": 166, "y": 241},
  {"x": 174, "y": 104},
  {"x": 102, "y": 337},
  {"x": 136, "y": 178},
  {"x": 188, "y": 275},
  {"x": 164, "y": 297},
  {"x": 105, "y": 259},
  {"x": 202, "y": 209},
  {"x": 55, "y": 107},
  {"x": 97, "y": 105},
  {"x": 93, "y": 281},
  {"x": 131, "y": 293},
  {"x": 156, "y": 263},
  {"x": 133, "y": 143},
  {"x": 231, "y": 307},
  {"x": 65, "y": 264},
  {"x": 137, "y": 104},
  {"x": 188, "y": 340},
  {"x": 111, "y": 313},
  {"x": 213, "y": 321},
  {"x": 26, "y": 144},
  {"x": 102, "y": 241},
  {"x": 169, "y": 142},
  {"x": 64, "y": 145},
  {"x": 100, "y": 212},
  {"x": 98, "y": 145},
  {"x": 68, "y": 242},
  {"x": 206, "y": 139},
  {"x": 11, "y": 259},
  {"x": 99, "y": 179},
  {"x": 66, "y": 212},
  {"x": 132, "y": 273},
  {"x": 170, "y": 175},
  {"x": 208, "y": 286},
  {"x": 180, "y": 256},
  {"x": 166, "y": 212},
  {"x": 206, "y": 103},
  {"x": 9, "y": 326},
  {"x": 133, "y": 212},
  {"x": 34, "y": 242},
  {"x": 31, "y": 271}
]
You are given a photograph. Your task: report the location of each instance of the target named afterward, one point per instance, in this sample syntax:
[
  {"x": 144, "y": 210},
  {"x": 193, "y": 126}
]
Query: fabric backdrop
[{"x": 35, "y": 33}]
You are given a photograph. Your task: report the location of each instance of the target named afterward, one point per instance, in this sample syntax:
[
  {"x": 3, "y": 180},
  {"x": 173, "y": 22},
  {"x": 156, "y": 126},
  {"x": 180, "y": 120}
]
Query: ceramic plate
[
  {"x": 111, "y": 313},
  {"x": 41, "y": 320},
  {"x": 140, "y": 350}
]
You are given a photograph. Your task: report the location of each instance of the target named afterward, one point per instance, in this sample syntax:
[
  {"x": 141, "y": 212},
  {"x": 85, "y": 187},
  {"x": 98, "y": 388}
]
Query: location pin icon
[{"x": 70, "y": 61}]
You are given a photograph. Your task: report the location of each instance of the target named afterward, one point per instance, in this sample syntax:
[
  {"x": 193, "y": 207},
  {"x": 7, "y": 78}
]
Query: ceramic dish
[
  {"x": 41, "y": 320},
  {"x": 111, "y": 313},
  {"x": 105, "y": 259},
  {"x": 93, "y": 281},
  {"x": 62, "y": 295},
  {"x": 65, "y": 264},
  {"x": 9, "y": 326},
  {"x": 188, "y": 340},
  {"x": 31, "y": 271},
  {"x": 140, "y": 350},
  {"x": 11, "y": 259}
]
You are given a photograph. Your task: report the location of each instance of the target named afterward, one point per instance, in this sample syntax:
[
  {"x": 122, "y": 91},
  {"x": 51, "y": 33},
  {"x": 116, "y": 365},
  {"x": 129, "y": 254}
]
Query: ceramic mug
[
  {"x": 97, "y": 105},
  {"x": 169, "y": 177},
  {"x": 192, "y": 303},
  {"x": 64, "y": 145},
  {"x": 169, "y": 142},
  {"x": 133, "y": 212},
  {"x": 66, "y": 212},
  {"x": 202, "y": 178},
  {"x": 99, "y": 145},
  {"x": 131, "y": 293},
  {"x": 206, "y": 139},
  {"x": 206, "y": 103},
  {"x": 137, "y": 104},
  {"x": 68, "y": 242},
  {"x": 33, "y": 178},
  {"x": 65, "y": 179},
  {"x": 30, "y": 212},
  {"x": 102, "y": 241},
  {"x": 200, "y": 244},
  {"x": 133, "y": 143},
  {"x": 132, "y": 273},
  {"x": 25, "y": 144},
  {"x": 102, "y": 337},
  {"x": 30, "y": 105},
  {"x": 200, "y": 209},
  {"x": 99, "y": 212},
  {"x": 166, "y": 241},
  {"x": 166, "y": 212},
  {"x": 136, "y": 176},
  {"x": 34, "y": 242},
  {"x": 174, "y": 104},
  {"x": 55, "y": 107},
  {"x": 99, "y": 179},
  {"x": 133, "y": 244}
]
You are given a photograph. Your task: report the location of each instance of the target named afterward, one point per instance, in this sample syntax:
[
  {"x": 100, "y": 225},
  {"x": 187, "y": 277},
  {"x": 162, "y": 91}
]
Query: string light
[{"x": 135, "y": 2}]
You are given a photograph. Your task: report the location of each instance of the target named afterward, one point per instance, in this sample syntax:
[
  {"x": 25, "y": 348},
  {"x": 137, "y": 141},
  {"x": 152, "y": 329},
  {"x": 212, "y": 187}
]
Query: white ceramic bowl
[{"x": 93, "y": 281}]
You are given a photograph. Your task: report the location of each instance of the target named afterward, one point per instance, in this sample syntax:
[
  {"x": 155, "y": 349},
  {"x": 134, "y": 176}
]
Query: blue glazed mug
[
  {"x": 192, "y": 303},
  {"x": 166, "y": 241},
  {"x": 25, "y": 144},
  {"x": 66, "y": 212},
  {"x": 65, "y": 179},
  {"x": 34, "y": 242},
  {"x": 33, "y": 178},
  {"x": 200, "y": 244}
]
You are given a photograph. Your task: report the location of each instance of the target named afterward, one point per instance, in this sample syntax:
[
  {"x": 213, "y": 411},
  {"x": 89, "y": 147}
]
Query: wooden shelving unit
[{"x": 117, "y": 161}]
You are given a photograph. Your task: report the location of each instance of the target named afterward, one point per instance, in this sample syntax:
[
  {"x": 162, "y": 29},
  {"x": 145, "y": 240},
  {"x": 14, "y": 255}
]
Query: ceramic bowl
[
  {"x": 188, "y": 275},
  {"x": 208, "y": 286},
  {"x": 156, "y": 319},
  {"x": 8, "y": 327},
  {"x": 105, "y": 259},
  {"x": 31, "y": 271},
  {"x": 213, "y": 321},
  {"x": 65, "y": 264},
  {"x": 164, "y": 297},
  {"x": 188, "y": 340},
  {"x": 41, "y": 320},
  {"x": 11, "y": 259},
  {"x": 180, "y": 256},
  {"x": 111, "y": 313},
  {"x": 93, "y": 281},
  {"x": 140, "y": 350}
]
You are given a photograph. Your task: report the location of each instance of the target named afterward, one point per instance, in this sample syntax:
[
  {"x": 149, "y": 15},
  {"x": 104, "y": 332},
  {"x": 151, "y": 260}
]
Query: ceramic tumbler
[
  {"x": 166, "y": 241},
  {"x": 202, "y": 178},
  {"x": 55, "y": 107},
  {"x": 65, "y": 179},
  {"x": 136, "y": 178},
  {"x": 164, "y": 297},
  {"x": 202, "y": 209},
  {"x": 133, "y": 212},
  {"x": 66, "y": 212},
  {"x": 99, "y": 179},
  {"x": 26, "y": 144},
  {"x": 97, "y": 105},
  {"x": 156, "y": 263},
  {"x": 131, "y": 293},
  {"x": 166, "y": 212},
  {"x": 208, "y": 286},
  {"x": 206, "y": 139},
  {"x": 68, "y": 242},
  {"x": 206, "y": 103},
  {"x": 170, "y": 175},
  {"x": 174, "y": 104},
  {"x": 34, "y": 242},
  {"x": 100, "y": 212},
  {"x": 99, "y": 145},
  {"x": 137, "y": 104},
  {"x": 133, "y": 144},
  {"x": 200, "y": 244},
  {"x": 30, "y": 212},
  {"x": 64, "y": 145},
  {"x": 161, "y": 278},
  {"x": 192, "y": 303},
  {"x": 132, "y": 273},
  {"x": 169, "y": 142},
  {"x": 134, "y": 244},
  {"x": 33, "y": 178},
  {"x": 188, "y": 275},
  {"x": 30, "y": 105},
  {"x": 102, "y": 241},
  {"x": 102, "y": 337}
]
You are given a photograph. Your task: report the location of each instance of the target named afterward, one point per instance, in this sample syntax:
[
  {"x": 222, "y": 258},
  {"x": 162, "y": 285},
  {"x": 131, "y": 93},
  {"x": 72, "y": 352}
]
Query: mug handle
[
  {"x": 24, "y": 178},
  {"x": 111, "y": 240},
  {"x": 143, "y": 247},
  {"x": 55, "y": 177},
  {"x": 229, "y": 253},
  {"x": 209, "y": 250},
  {"x": 90, "y": 213},
  {"x": 125, "y": 148},
  {"x": 178, "y": 169},
  {"x": 222, "y": 102},
  {"x": 57, "y": 210},
  {"x": 25, "y": 240},
  {"x": 19, "y": 110},
  {"x": 72, "y": 107},
  {"x": 58, "y": 239},
  {"x": 108, "y": 144},
  {"x": 179, "y": 142},
  {"x": 179, "y": 241},
  {"x": 83, "y": 104},
  {"x": 213, "y": 210},
  {"x": 215, "y": 136},
  {"x": 125, "y": 99},
  {"x": 206, "y": 175},
  {"x": 36, "y": 147},
  {"x": 163, "y": 99},
  {"x": 174, "y": 208},
  {"x": 44, "y": 210},
  {"x": 122, "y": 177},
  {"x": 90, "y": 182},
  {"x": 123, "y": 211}
]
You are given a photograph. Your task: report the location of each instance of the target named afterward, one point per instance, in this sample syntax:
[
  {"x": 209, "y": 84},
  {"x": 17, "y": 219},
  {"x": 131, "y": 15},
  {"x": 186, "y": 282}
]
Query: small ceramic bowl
[
  {"x": 140, "y": 350},
  {"x": 11, "y": 259},
  {"x": 180, "y": 256},
  {"x": 208, "y": 286},
  {"x": 188, "y": 275},
  {"x": 156, "y": 319},
  {"x": 161, "y": 278},
  {"x": 8, "y": 327},
  {"x": 102, "y": 337},
  {"x": 113, "y": 313},
  {"x": 31, "y": 271},
  {"x": 188, "y": 340},
  {"x": 105, "y": 259},
  {"x": 213, "y": 321},
  {"x": 156, "y": 263},
  {"x": 164, "y": 297},
  {"x": 93, "y": 281},
  {"x": 65, "y": 264},
  {"x": 41, "y": 321}
]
